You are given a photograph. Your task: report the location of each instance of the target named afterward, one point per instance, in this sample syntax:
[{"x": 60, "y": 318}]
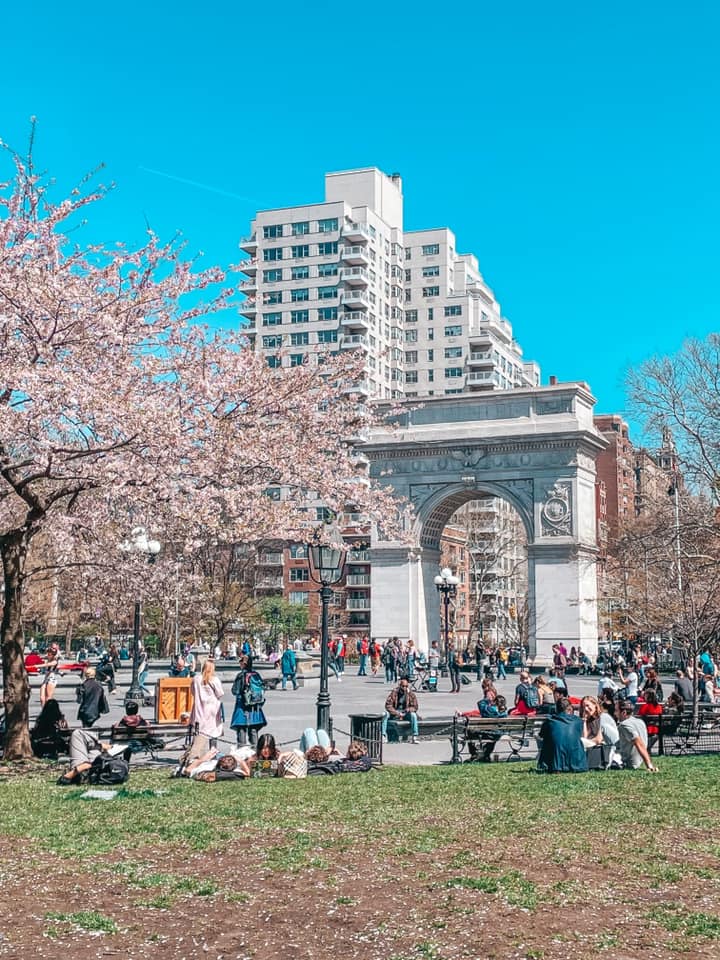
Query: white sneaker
[
  {"x": 339, "y": 679},
  {"x": 414, "y": 740}
]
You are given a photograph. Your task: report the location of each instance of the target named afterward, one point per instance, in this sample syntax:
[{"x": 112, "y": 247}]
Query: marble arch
[{"x": 535, "y": 448}]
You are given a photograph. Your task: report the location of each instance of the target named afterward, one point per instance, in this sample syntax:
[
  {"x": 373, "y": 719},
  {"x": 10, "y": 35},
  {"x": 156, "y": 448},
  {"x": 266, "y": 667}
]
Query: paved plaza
[{"x": 290, "y": 712}]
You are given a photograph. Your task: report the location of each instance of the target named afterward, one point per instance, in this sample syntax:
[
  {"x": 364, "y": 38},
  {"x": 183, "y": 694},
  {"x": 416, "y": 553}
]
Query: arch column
[
  {"x": 404, "y": 599},
  {"x": 562, "y": 599}
]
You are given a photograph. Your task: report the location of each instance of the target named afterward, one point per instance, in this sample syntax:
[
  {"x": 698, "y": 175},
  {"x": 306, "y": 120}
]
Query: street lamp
[
  {"x": 327, "y": 560},
  {"x": 447, "y": 585},
  {"x": 139, "y": 544}
]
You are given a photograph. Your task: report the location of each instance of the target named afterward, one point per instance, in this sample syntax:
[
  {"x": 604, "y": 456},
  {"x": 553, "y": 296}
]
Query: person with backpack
[
  {"x": 248, "y": 716},
  {"x": 527, "y": 699}
]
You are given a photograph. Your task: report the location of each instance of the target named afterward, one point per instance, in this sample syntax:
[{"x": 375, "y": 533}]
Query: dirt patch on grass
[{"x": 293, "y": 897}]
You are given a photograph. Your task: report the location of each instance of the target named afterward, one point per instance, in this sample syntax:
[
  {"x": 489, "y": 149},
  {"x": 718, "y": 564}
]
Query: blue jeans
[
  {"x": 390, "y": 673},
  {"x": 289, "y": 676},
  {"x": 501, "y": 670},
  {"x": 314, "y": 738},
  {"x": 362, "y": 672},
  {"x": 412, "y": 717}
]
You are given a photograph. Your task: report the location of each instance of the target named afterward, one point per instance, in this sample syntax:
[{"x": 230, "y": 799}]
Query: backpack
[
  {"x": 530, "y": 696},
  {"x": 253, "y": 694},
  {"x": 108, "y": 770}
]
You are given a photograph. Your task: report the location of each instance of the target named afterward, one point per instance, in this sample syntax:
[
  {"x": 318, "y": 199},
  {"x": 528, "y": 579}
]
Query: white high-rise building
[{"x": 341, "y": 275}]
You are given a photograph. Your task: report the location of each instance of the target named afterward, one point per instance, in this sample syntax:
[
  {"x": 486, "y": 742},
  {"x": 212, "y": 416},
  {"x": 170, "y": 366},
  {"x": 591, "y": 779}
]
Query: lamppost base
[{"x": 135, "y": 695}]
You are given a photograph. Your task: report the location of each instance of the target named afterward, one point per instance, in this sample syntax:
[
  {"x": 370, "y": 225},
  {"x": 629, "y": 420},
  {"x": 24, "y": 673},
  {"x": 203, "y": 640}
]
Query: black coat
[{"x": 91, "y": 697}]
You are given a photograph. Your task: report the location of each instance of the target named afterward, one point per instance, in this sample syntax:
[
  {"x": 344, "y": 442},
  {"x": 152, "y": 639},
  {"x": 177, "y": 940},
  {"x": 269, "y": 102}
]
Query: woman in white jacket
[{"x": 207, "y": 694}]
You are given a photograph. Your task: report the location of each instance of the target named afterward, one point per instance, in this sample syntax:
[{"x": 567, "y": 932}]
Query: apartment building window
[
  {"x": 300, "y": 250},
  {"x": 408, "y": 276},
  {"x": 454, "y": 331},
  {"x": 300, "y": 273},
  {"x": 300, "y": 229},
  {"x": 452, "y": 372},
  {"x": 327, "y": 293},
  {"x": 327, "y": 313},
  {"x": 272, "y": 319},
  {"x": 328, "y": 248},
  {"x": 299, "y": 316},
  {"x": 411, "y": 316},
  {"x": 411, "y": 336},
  {"x": 430, "y": 249},
  {"x": 298, "y": 551},
  {"x": 454, "y": 311},
  {"x": 272, "y": 343},
  {"x": 431, "y": 356},
  {"x": 453, "y": 352},
  {"x": 431, "y": 314},
  {"x": 408, "y": 296},
  {"x": 297, "y": 359},
  {"x": 448, "y": 392},
  {"x": 431, "y": 271},
  {"x": 299, "y": 295},
  {"x": 327, "y": 336},
  {"x": 408, "y": 253},
  {"x": 272, "y": 253},
  {"x": 272, "y": 276},
  {"x": 411, "y": 376},
  {"x": 272, "y": 231},
  {"x": 273, "y": 362},
  {"x": 431, "y": 376},
  {"x": 273, "y": 296},
  {"x": 299, "y": 598},
  {"x": 411, "y": 356},
  {"x": 323, "y": 514},
  {"x": 327, "y": 226},
  {"x": 430, "y": 333},
  {"x": 327, "y": 269},
  {"x": 431, "y": 291},
  {"x": 299, "y": 575},
  {"x": 299, "y": 339}
]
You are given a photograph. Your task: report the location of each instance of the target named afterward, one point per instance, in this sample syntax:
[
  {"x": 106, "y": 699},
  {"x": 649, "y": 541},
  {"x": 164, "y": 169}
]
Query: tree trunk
[
  {"x": 68, "y": 638},
  {"x": 16, "y": 687}
]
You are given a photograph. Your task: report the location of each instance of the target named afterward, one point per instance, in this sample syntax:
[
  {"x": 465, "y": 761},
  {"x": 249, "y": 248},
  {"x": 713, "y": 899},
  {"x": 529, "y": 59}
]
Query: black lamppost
[
  {"x": 447, "y": 585},
  {"x": 140, "y": 544},
  {"x": 326, "y": 554}
]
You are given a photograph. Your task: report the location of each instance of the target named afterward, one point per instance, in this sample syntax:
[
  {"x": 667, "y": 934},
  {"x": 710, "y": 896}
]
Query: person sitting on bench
[
  {"x": 402, "y": 704},
  {"x": 132, "y": 719}
]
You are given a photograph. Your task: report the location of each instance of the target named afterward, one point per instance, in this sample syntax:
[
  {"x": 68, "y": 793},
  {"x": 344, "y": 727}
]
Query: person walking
[
  {"x": 375, "y": 655},
  {"x": 206, "y": 714},
  {"x": 363, "y": 651},
  {"x": 91, "y": 697},
  {"x": 389, "y": 662},
  {"x": 288, "y": 666}
]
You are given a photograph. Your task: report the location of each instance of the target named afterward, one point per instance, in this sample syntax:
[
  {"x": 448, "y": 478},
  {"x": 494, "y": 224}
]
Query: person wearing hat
[{"x": 91, "y": 697}]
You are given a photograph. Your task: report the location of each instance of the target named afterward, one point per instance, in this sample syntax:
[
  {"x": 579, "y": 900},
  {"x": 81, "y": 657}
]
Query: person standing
[
  {"x": 559, "y": 661},
  {"x": 453, "y": 667},
  {"x": 206, "y": 712},
  {"x": 91, "y": 697},
  {"x": 389, "y": 662},
  {"x": 248, "y": 716},
  {"x": 288, "y": 666},
  {"x": 341, "y": 653},
  {"x": 143, "y": 669},
  {"x": 364, "y": 652},
  {"x": 375, "y": 655},
  {"x": 52, "y": 674}
]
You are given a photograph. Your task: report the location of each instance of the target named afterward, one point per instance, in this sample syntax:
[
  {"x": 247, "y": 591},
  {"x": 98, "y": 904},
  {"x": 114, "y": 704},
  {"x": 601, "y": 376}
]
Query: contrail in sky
[{"x": 194, "y": 183}]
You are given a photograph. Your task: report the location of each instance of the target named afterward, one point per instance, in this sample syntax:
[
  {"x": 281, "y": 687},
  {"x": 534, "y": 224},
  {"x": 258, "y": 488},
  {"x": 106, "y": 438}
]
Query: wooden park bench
[{"x": 152, "y": 737}]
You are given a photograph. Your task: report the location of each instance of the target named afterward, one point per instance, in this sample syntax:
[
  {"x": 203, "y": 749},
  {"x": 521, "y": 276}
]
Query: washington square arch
[{"x": 535, "y": 448}]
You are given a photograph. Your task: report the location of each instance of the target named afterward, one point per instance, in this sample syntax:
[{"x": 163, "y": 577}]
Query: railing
[
  {"x": 358, "y": 556},
  {"x": 348, "y": 252},
  {"x": 354, "y": 316},
  {"x": 358, "y": 580},
  {"x": 355, "y": 273},
  {"x": 360, "y": 295},
  {"x": 271, "y": 559},
  {"x": 353, "y": 603},
  {"x": 357, "y": 340},
  {"x": 248, "y": 266},
  {"x": 269, "y": 583},
  {"x": 355, "y": 229}
]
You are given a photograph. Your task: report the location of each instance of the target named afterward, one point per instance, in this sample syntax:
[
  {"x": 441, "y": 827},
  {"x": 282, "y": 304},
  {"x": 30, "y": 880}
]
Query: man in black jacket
[{"x": 91, "y": 697}]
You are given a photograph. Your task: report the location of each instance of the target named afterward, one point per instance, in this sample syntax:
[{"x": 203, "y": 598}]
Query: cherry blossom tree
[{"x": 120, "y": 407}]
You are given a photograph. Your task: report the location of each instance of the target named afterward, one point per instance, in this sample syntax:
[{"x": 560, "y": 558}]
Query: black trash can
[{"x": 367, "y": 728}]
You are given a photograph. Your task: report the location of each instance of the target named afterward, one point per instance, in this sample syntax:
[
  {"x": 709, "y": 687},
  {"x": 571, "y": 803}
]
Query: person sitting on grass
[
  {"x": 562, "y": 750},
  {"x": 48, "y": 736},
  {"x": 633, "y": 738},
  {"x": 84, "y": 748},
  {"x": 266, "y": 762},
  {"x": 356, "y": 759}
]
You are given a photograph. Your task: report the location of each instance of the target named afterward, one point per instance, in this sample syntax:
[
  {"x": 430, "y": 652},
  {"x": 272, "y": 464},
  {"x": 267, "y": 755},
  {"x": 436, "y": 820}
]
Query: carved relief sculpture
[{"x": 556, "y": 511}]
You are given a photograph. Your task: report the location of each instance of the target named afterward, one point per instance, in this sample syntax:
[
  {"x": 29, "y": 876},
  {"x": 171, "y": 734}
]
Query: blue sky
[{"x": 572, "y": 147}]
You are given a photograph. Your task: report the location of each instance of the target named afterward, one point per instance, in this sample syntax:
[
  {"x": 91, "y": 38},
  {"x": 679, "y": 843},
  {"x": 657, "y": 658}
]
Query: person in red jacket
[{"x": 649, "y": 712}]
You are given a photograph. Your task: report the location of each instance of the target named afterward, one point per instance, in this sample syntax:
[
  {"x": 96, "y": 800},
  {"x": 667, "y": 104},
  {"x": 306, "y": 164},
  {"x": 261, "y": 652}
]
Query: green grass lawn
[{"x": 597, "y": 863}]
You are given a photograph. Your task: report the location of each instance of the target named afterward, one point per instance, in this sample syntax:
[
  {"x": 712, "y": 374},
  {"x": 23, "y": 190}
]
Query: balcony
[
  {"x": 357, "y": 603},
  {"x": 248, "y": 266},
  {"x": 357, "y": 255},
  {"x": 249, "y": 307},
  {"x": 356, "y": 232},
  {"x": 358, "y": 556},
  {"x": 480, "y": 358},
  {"x": 355, "y": 342},
  {"x": 270, "y": 559},
  {"x": 483, "y": 378},
  {"x": 269, "y": 583},
  {"x": 355, "y": 276},
  {"x": 248, "y": 286},
  {"x": 358, "y": 580},
  {"x": 353, "y": 519},
  {"x": 360, "y": 387},
  {"x": 356, "y": 298},
  {"x": 355, "y": 319},
  {"x": 249, "y": 244}
]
